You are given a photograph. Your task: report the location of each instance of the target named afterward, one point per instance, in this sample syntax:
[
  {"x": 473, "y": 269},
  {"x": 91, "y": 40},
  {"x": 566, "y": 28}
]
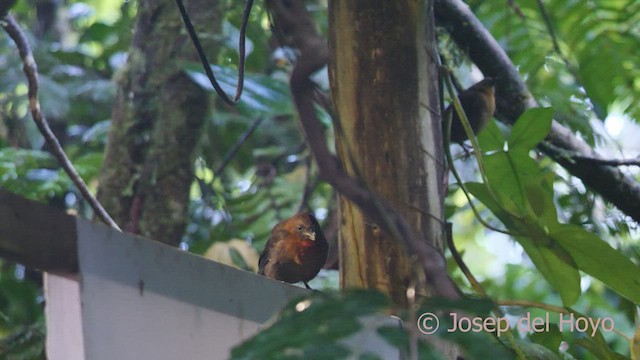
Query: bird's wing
[
  {"x": 269, "y": 247},
  {"x": 262, "y": 263}
]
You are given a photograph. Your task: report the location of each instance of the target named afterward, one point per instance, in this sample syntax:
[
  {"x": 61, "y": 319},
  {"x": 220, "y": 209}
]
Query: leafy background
[{"x": 594, "y": 75}]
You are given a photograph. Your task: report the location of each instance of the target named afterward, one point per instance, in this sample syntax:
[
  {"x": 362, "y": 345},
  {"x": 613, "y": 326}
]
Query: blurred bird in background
[
  {"x": 478, "y": 103},
  {"x": 295, "y": 251}
]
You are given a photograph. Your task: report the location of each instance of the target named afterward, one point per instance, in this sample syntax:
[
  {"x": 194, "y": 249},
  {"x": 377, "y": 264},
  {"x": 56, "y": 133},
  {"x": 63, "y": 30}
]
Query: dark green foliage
[{"x": 311, "y": 327}]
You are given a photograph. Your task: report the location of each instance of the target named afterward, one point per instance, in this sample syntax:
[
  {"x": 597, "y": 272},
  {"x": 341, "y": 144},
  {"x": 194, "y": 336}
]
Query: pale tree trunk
[
  {"x": 384, "y": 85},
  {"x": 156, "y": 122}
]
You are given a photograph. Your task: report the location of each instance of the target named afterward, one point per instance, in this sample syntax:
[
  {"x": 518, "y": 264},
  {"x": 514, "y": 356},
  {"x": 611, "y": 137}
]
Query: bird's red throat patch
[{"x": 307, "y": 243}]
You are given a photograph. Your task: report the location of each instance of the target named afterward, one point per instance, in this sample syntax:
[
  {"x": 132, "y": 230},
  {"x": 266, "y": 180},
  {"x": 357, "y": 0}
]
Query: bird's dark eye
[{"x": 299, "y": 227}]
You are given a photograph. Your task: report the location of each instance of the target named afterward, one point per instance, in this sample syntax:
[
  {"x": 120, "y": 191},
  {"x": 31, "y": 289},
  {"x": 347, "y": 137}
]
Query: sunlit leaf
[
  {"x": 598, "y": 259},
  {"x": 530, "y": 128}
]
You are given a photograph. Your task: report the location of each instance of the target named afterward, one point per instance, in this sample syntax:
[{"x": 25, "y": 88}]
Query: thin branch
[
  {"x": 311, "y": 182},
  {"x": 475, "y": 284},
  {"x": 203, "y": 56},
  {"x": 205, "y": 190},
  {"x": 534, "y": 304},
  {"x": 31, "y": 71},
  {"x": 554, "y": 38},
  {"x": 234, "y": 149},
  {"x": 609, "y": 162}
]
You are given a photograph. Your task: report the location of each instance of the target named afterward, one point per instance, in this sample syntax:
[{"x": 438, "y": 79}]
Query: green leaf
[
  {"x": 97, "y": 133},
  {"x": 554, "y": 263},
  {"x": 595, "y": 257},
  {"x": 531, "y": 128},
  {"x": 550, "y": 339},
  {"x": 481, "y": 192},
  {"x": 508, "y": 172},
  {"x": 398, "y": 337},
  {"x": 88, "y": 165},
  {"x": 491, "y": 138},
  {"x": 596, "y": 344},
  {"x": 599, "y": 350},
  {"x": 557, "y": 268},
  {"x": 541, "y": 202},
  {"x": 262, "y": 96},
  {"x": 98, "y": 32},
  {"x": 533, "y": 351},
  {"x": 311, "y": 327}
]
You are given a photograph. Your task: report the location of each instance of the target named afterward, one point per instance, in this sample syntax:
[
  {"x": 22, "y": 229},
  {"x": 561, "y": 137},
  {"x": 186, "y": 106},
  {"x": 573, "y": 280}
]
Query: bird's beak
[{"x": 310, "y": 235}]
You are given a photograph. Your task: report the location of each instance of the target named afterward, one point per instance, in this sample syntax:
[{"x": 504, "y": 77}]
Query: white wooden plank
[
  {"x": 145, "y": 300},
  {"x": 64, "y": 324}
]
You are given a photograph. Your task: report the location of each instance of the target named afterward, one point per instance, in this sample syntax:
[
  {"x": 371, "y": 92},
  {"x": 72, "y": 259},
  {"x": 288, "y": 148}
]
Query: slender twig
[
  {"x": 311, "y": 182},
  {"x": 475, "y": 284},
  {"x": 205, "y": 189},
  {"x": 478, "y": 287},
  {"x": 30, "y": 69},
  {"x": 205, "y": 61},
  {"x": 609, "y": 162},
  {"x": 234, "y": 149},
  {"x": 534, "y": 304},
  {"x": 554, "y": 40}
]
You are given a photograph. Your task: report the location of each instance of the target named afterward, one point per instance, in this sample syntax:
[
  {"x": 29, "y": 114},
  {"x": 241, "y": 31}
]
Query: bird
[
  {"x": 479, "y": 104},
  {"x": 295, "y": 251}
]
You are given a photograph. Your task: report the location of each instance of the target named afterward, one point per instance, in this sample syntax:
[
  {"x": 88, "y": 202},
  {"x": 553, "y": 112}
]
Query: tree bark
[
  {"x": 384, "y": 86},
  {"x": 155, "y": 124}
]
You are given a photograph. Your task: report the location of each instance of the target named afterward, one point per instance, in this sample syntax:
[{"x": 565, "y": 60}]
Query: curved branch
[
  {"x": 205, "y": 61},
  {"x": 513, "y": 98},
  {"x": 31, "y": 71}
]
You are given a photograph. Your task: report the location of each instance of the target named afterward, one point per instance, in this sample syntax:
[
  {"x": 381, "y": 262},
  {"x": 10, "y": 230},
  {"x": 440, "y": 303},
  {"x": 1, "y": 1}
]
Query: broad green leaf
[
  {"x": 263, "y": 95},
  {"x": 89, "y": 164},
  {"x": 98, "y": 32},
  {"x": 530, "y": 128},
  {"x": 508, "y": 172},
  {"x": 553, "y": 261},
  {"x": 556, "y": 267},
  {"x": 491, "y": 138},
  {"x": 97, "y": 133},
  {"x": 396, "y": 336},
  {"x": 312, "y": 327},
  {"x": 596, "y": 344},
  {"x": 533, "y": 351},
  {"x": 481, "y": 192},
  {"x": 596, "y": 258},
  {"x": 600, "y": 351},
  {"x": 550, "y": 339},
  {"x": 541, "y": 202}
]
